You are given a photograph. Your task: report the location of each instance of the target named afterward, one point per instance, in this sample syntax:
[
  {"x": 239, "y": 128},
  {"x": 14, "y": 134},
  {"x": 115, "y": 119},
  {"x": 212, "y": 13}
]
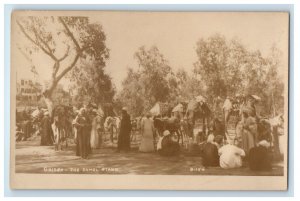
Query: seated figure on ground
[
  {"x": 166, "y": 146},
  {"x": 259, "y": 157},
  {"x": 231, "y": 156},
  {"x": 210, "y": 152}
]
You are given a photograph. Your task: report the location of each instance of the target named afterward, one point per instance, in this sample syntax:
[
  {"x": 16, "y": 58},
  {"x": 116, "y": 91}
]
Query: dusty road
[{"x": 32, "y": 158}]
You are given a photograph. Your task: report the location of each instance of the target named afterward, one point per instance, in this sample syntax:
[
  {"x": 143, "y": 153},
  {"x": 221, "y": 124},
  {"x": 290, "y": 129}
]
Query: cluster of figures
[
  {"x": 88, "y": 135},
  {"x": 254, "y": 140},
  {"x": 88, "y": 130},
  {"x": 228, "y": 156}
]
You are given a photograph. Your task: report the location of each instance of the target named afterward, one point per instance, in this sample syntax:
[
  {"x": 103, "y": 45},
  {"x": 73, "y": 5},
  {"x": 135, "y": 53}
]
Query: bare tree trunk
[
  {"x": 49, "y": 104},
  {"x": 47, "y": 96}
]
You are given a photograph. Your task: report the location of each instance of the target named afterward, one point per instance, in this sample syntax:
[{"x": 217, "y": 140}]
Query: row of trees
[
  {"x": 224, "y": 68},
  {"x": 78, "y": 53}
]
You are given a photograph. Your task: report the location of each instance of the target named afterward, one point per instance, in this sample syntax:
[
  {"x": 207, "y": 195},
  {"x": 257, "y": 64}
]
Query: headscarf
[
  {"x": 210, "y": 139},
  {"x": 165, "y": 133}
]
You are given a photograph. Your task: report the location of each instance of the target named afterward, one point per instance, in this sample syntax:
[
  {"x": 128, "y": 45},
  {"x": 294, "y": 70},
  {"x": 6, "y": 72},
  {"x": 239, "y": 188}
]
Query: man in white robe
[{"x": 231, "y": 156}]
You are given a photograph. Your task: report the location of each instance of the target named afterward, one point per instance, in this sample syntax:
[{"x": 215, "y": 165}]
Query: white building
[{"x": 28, "y": 90}]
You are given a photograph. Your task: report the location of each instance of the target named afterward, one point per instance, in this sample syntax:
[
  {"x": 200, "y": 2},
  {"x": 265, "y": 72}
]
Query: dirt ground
[{"x": 32, "y": 158}]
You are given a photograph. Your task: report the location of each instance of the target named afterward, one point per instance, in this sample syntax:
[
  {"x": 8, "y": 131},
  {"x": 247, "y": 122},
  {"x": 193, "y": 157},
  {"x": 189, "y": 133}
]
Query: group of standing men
[{"x": 88, "y": 131}]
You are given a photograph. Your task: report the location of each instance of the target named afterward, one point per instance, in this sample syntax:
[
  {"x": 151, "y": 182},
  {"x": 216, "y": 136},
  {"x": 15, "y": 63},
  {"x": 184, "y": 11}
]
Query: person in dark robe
[
  {"x": 46, "y": 134},
  {"x": 210, "y": 153},
  {"x": 166, "y": 146},
  {"x": 259, "y": 157},
  {"x": 88, "y": 127},
  {"x": 125, "y": 130},
  {"x": 81, "y": 135}
]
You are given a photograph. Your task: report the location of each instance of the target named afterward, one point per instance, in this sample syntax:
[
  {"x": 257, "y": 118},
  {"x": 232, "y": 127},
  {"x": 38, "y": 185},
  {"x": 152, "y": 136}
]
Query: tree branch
[
  {"x": 44, "y": 42},
  {"x": 68, "y": 68},
  {"x": 35, "y": 42},
  {"x": 69, "y": 33},
  {"x": 57, "y": 63},
  {"x": 37, "y": 35},
  {"x": 26, "y": 34},
  {"x": 55, "y": 70},
  {"x": 65, "y": 55}
]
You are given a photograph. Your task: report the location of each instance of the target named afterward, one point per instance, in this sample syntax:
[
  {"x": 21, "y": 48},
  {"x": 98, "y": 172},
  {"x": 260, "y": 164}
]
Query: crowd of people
[{"x": 87, "y": 130}]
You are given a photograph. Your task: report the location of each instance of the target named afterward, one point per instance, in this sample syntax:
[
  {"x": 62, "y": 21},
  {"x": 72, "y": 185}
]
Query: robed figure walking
[
  {"x": 82, "y": 138},
  {"x": 125, "y": 130},
  {"x": 46, "y": 134}
]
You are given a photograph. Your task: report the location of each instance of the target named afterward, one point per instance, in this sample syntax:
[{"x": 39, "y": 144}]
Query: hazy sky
[{"x": 175, "y": 34}]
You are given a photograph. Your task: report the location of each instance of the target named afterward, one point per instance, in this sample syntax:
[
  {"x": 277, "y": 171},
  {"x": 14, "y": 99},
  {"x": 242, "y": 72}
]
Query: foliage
[
  {"x": 92, "y": 84},
  {"x": 78, "y": 52},
  {"x": 149, "y": 84},
  {"x": 68, "y": 41},
  {"x": 228, "y": 68},
  {"x": 61, "y": 96},
  {"x": 224, "y": 68}
]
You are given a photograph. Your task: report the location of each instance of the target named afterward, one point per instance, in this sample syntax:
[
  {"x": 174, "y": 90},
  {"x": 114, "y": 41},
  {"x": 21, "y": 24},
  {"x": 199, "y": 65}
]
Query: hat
[
  {"x": 264, "y": 143},
  {"x": 166, "y": 133},
  {"x": 124, "y": 108}
]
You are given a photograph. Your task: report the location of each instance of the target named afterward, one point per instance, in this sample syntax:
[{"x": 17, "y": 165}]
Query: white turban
[
  {"x": 166, "y": 133},
  {"x": 264, "y": 143}
]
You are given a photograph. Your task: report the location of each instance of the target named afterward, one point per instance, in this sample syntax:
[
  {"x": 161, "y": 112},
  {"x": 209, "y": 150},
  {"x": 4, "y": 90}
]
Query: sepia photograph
[{"x": 149, "y": 100}]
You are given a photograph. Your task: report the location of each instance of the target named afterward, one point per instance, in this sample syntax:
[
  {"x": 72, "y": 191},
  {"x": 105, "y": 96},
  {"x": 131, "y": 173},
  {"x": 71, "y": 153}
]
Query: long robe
[
  {"x": 96, "y": 137},
  {"x": 124, "y": 135},
  {"x": 46, "y": 134},
  {"x": 147, "y": 142},
  {"x": 82, "y": 137},
  {"x": 88, "y": 129},
  {"x": 249, "y": 134}
]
